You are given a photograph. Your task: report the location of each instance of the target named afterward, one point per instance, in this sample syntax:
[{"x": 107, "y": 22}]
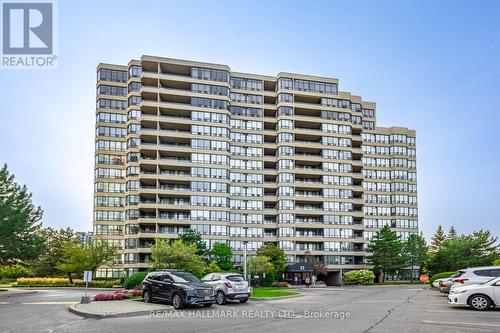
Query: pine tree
[
  {"x": 452, "y": 233},
  {"x": 20, "y": 237},
  {"x": 415, "y": 251},
  {"x": 437, "y": 240},
  {"x": 386, "y": 250}
]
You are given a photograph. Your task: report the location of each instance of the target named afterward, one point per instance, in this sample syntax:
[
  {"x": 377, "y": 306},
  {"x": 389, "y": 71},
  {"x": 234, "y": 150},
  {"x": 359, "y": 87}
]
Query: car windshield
[
  {"x": 184, "y": 277},
  {"x": 235, "y": 278}
]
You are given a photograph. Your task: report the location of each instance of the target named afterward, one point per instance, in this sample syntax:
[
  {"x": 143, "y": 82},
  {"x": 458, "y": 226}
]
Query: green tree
[
  {"x": 496, "y": 262},
  {"x": 47, "y": 263},
  {"x": 477, "y": 249},
  {"x": 452, "y": 233},
  {"x": 212, "y": 268},
  {"x": 415, "y": 251},
  {"x": 275, "y": 254},
  {"x": 177, "y": 254},
  {"x": 98, "y": 252},
  {"x": 73, "y": 259},
  {"x": 437, "y": 240},
  {"x": 260, "y": 265},
  {"x": 78, "y": 257},
  {"x": 222, "y": 255},
  {"x": 386, "y": 251},
  {"x": 20, "y": 238},
  {"x": 193, "y": 237}
]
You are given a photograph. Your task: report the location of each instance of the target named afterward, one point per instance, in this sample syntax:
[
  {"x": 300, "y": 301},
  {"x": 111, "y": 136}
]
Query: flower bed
[
  {"x": 63, "y": 282},
  {"x": 117, "y": 295}
]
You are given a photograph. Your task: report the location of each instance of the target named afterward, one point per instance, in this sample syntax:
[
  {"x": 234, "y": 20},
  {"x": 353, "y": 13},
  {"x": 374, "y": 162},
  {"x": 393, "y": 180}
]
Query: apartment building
[{"x": 245, "y": 159}]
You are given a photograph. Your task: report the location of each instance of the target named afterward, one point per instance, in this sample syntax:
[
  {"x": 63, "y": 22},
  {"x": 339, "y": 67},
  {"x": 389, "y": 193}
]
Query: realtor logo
[{"x": 28, "y": 29}]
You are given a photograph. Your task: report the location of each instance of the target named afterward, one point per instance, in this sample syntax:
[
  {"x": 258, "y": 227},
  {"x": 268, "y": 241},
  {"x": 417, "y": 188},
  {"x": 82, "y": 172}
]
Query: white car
[
  {"x": 475, "y": 275},
  {"x": 478, "y": 297}
]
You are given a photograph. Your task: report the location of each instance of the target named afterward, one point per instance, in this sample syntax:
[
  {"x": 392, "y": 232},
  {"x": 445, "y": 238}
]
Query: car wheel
[
  {"x": 479, "y": 302},
  {"x": 220, "y": 298},
  {"x": 146, "y": 296},
  {"x": 208, "y": 305},
  {"x": 244, "y": 300},
  {"x": 177, "y": 301}
]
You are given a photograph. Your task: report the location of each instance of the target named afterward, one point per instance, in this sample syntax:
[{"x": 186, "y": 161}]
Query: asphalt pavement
[{"x": 347, "y": 309}]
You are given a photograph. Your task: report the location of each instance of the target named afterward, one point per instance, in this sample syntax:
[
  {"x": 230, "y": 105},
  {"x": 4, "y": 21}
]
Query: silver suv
[
  {"x": 475, "y": 275},
  {"x": 228, "y": 286}
]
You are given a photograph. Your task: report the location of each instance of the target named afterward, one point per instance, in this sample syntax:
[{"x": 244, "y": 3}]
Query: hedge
[
  {"x": 362, "y": 276},
  {"x": 14, "y": 271},
  {"x": 63, "y": 282},
  {"x": 133, "y": 281},
  {"x": 441, "y": 275}
]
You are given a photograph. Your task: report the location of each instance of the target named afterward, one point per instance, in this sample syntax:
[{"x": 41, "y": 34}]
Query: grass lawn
[{"x": 271, "y": 292}]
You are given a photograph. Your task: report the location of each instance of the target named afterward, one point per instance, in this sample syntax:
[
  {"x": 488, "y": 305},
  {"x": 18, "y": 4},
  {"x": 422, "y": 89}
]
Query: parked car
[
  {"x": 477, "y": 297},
  {"x": 445, "y": 285},
  {"x": 228, "y": 286},
  {"x": 437, "y": 283},
  {"x": 177, "y": 287},
  {"x": 475, "y": 275}
]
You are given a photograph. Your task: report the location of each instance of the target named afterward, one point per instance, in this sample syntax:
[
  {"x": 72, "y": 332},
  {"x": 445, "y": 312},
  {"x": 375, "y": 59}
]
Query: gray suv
[{"x": 228, "y": 286}]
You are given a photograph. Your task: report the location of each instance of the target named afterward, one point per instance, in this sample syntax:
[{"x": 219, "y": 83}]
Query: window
[
  {"x": 106, "y": 117},
  {"x": 134, "y": 86},
  {"x": 209, "y": 103},
  {"x": 209, "y": 89},
  {"x": 246, "y": 84},
  {"x": 134, "y": 100},
  {"x": 320, "y": 87},
  {"x": 244, "y": 111},
  {"x": 286, "y": 98},
  {"x": 111, "y": 75},
  {"x": 285, "y": 83},
  {"x": 209, "y": 74},
  {"x": 135, "y": 71},
  {"x": 111, "y": 104},
  {"x": 111, "y": 90}
]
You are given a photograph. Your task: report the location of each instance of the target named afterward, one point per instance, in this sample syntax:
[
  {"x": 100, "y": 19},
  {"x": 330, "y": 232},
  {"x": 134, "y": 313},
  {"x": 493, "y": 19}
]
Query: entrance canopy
[{"x": 299, "y": 267}]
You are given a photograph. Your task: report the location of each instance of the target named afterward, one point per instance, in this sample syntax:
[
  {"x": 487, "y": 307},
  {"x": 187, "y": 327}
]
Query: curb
[
  {"x": 10, "y": 293},
  {"x": 110, "y": 315},
  {"x": 277, "y": 297}
]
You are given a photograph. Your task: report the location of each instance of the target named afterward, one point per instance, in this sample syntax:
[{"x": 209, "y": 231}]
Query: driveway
[{"x": 348, "y": 309}]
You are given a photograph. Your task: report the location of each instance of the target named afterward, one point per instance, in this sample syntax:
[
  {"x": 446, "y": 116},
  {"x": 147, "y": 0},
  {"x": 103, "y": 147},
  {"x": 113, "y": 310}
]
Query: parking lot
[{"x": 348, "y": 309}]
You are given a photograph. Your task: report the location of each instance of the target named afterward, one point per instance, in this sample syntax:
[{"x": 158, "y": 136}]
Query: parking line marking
[
  {"x": 457, "y": 323},
  {"x": 381, "y": 301}
]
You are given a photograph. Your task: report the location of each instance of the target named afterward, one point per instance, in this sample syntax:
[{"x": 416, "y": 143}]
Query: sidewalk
[{"x": 112, "y": 309}]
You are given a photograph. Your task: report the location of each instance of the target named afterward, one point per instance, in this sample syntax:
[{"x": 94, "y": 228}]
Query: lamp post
[{"x": 245, "y": 255}]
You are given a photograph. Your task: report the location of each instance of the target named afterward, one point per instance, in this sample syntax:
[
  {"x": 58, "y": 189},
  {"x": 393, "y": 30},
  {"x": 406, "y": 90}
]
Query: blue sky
[{"x": 429, "y": 65}]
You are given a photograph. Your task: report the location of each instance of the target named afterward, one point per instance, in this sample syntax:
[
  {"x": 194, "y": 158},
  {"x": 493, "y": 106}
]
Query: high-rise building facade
[{"x": 245, "y": 159}]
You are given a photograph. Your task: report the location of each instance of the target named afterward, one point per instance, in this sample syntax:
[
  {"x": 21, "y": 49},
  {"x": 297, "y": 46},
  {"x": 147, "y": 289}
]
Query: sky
[{"x": 432, "y": 66}]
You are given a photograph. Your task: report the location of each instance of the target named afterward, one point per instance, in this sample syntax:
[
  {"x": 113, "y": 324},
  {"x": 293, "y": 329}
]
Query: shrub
[
  {"x": 441, "y": 275},
  {"x": 14, "y": 271},
  {"x": 268, "y": 280},
  {"x": 133, "y": 281},
  {"x": 362, "y": 276},
  {"x": 63, "y": 282},
  {"x": 283, "y": 284}
]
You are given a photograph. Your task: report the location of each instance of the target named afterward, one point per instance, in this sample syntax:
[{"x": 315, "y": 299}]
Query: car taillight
[
  {"x": 228, "y": 284},
  {"x": 442, "y": 285},
  {"x": 460, "y": 281}
]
